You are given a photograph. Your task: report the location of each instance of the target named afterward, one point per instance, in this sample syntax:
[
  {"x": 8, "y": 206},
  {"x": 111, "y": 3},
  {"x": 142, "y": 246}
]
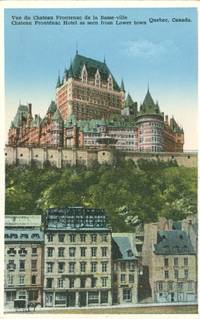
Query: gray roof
[
  {"x": 175, "y": 242},
  {"x": 76, "y": 218},
  {"x": 23, "y": 235},
  {"x": 123, "y": 249}
]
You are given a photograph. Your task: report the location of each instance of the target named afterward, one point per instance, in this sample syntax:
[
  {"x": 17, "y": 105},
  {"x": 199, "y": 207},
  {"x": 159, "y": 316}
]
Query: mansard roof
[
  {"x": 175, "y": 242},
  {"x": 115, "y": 121},
  {"x": 36, "y": 121},
  {"x": 92, "y": 66},
  {"x": 122, "y": 249},
  {"x": 23, "y": 235},
  {"x": 76, "y": 218}
]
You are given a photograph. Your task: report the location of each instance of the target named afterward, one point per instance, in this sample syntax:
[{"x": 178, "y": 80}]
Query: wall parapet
[{"x": 61, "y": 157}]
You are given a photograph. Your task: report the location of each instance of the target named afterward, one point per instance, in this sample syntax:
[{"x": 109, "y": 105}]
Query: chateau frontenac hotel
[{"x": 92, "y": 110}]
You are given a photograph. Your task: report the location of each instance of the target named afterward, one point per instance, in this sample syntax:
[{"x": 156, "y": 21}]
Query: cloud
[{"x": 148, "y": 49}]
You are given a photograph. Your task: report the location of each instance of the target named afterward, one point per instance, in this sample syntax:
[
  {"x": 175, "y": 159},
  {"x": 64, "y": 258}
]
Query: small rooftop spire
[
  {"x": 58, "y": 81},
  {"x": 76, "y": 47},
  {"x": 104, "y": 59},
  {"x": 122, "y": 86}
]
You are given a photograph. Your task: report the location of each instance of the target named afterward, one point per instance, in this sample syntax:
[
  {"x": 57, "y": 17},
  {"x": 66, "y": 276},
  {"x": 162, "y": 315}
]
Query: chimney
[
  {"x": 30, "y": 109},
  {"x": 166, "y": 119}
]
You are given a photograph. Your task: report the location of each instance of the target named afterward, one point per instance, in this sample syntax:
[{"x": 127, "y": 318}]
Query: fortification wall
[{"x": 60, "y": 157}]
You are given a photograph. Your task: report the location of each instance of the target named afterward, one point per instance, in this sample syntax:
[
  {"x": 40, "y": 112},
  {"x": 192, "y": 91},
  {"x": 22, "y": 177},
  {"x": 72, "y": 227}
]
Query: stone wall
[{"x": 60, "y": 157}]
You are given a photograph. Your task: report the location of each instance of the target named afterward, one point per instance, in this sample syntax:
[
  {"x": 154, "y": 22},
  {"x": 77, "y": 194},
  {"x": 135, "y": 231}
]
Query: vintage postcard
[{"x": 100, "y": 151}]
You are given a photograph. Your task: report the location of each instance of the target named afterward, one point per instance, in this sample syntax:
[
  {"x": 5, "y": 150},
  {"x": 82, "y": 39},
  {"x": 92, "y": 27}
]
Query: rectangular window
[
  {"x": 61, "y": 251},
  {"x": 104, "y": 237},
  {"x": 60, "y": 283},
  {"x": 104, "y": 266},
  {"x": 71, "y": 267},
  {"x": 93, "y": 267},
  {"x": 61, "y": 267},
  {"x": 49, "y": 267},
  {"x": 180, "y": 285},
  {"x": 22, "y": 265},
  {"x": 131, "y": 278},
  {"x": 176, "y": 274},
  {"x": 34, "y": 265},
  {"x": 166, "y": 262},
  {"x": 190, "y": 285},
  {"x": 166, "y": 274},
  {"x": 34, "y": 251},
  {"x": 127, "y": 294},
  {"x": 82, "y": 237},
  {"x": 123, "y": 277},
  {"x": 72, "y": 238},
  {"x": 104, "y": 281},
  {"x": 72, "y": 251},
  {"x": 94, "y": 282},
  {"x": 50, "y": 251},
  {"x": 49, "y": 283},
  {"x": 94, "y": 237},
  {"x": 71, "y": 283},
  {"x": 93, "y": 297},
  {"x": 185, "y": 261},
  {"x": 82, "y": 283},
  {"x": 170, "y": 285},
  {"x": 82, "y": 266},
  {"x": 186, "y": 273},
  {"x": 93, "y": 251},
  {"x": 61, "y": 238},
  {"x": 50, "y": 237},
  {"x": 176, "y": 261},
  {"x": 123, "y": 266},
  {"x": 21, "y": 280},
  {"x": 33, "y": 279},
  {"x": 160, "y": 286},
  {"x": 131, "y": 266},
  {"x": 104, "y": 297},
  {"x": 104, "y": 251},
  {"x": 83, "y": 250},
  {"x": 10, "y": 280}
]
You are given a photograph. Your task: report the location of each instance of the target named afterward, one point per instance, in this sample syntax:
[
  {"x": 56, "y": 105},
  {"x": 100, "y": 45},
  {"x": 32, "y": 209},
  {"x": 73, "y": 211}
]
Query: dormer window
[
  {"x": 110, "y": 82},
  {"x": 84, "y": 75},
  {"x": 97, "y": 79}
]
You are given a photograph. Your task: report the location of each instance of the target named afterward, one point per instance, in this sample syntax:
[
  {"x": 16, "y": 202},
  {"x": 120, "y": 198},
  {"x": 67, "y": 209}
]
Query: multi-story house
[
  {"x": 77, "y": 258},
  {"x": 125, "y": 269},
  {"x": 171, "y": 261},
  {"x": 91, "y": 111},
  {"x": 23, "y": 271}
]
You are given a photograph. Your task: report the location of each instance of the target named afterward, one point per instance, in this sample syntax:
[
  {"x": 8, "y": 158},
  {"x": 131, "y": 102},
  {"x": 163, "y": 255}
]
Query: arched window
[
  {"x": 97, "y": 78},
  {"x": 110, "y": 82},
  {"x": 84, "y": 74}
]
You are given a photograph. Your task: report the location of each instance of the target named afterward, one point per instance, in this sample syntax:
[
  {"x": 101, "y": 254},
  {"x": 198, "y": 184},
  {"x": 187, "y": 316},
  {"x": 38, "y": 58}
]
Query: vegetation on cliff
[{"x": 128, "y": 192}]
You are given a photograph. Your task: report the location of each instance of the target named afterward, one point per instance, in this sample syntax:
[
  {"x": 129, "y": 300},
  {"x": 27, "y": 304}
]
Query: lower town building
[
  {"x": 171, "y": 260},
  {"x": 23, "y": 260},
  {"x": 125, "y": 269},
  {"x": 77, "y": 258}
]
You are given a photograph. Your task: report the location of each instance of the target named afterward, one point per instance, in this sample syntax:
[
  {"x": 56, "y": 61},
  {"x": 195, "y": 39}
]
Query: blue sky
[{"x": 163, "y": 54}]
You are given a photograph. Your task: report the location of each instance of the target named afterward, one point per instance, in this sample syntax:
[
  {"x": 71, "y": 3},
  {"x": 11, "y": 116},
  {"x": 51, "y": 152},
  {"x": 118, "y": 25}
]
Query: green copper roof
[
  {"x": 175, "y": 127},
  {"x": 22, "y": 113},
  {"x": 36, "y": 121},
  {"x": 148, "y": 106},
  {"x": 175, "y": 242},
  {"x": 116, "y": 121},
  {"x": 122, "y": 86},
  {"x": 91, "y": 65},
  {"x": 58, "y": 82},
  {"x": 52, "y": 107},
  {"x": 57, "y": 116},
  {"x": 129, "y": 102},
  {"x": 122, "y": 249}
]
